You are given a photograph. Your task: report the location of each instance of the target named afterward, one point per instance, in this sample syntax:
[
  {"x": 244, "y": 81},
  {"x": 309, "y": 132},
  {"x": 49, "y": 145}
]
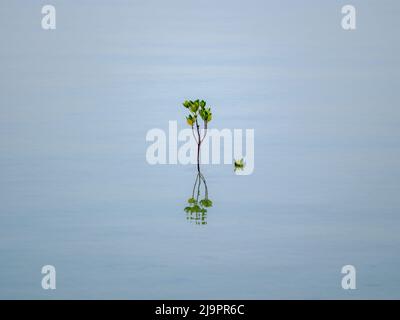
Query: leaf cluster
[
  {"x": 197, "y": 108},
  {"x": 196, "y": 206}
]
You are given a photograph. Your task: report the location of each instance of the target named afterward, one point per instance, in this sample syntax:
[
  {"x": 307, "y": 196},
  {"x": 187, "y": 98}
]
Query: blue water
[{"x": 77, "y": 192}]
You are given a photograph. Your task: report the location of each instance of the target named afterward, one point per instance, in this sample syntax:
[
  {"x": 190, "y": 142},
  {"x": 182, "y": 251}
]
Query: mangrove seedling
[{"x": 197, "y": 109}]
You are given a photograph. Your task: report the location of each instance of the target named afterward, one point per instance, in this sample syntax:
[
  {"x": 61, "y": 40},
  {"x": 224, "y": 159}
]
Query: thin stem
[
  {"x": 194, "y": 186},
  {"x": 205, "y": 131},
  {"x": 198, "y": 146},
  {"x": 198, "y": 189},
  {"x": 194, "y": 134},
  {"x": 205, "y": 185}
]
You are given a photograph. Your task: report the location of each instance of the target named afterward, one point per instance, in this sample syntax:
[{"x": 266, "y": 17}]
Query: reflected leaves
[{"x": 198, "y": 204}]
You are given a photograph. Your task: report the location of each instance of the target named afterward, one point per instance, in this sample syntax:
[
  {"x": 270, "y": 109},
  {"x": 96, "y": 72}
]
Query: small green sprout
[{"x": 239, "y": 164}]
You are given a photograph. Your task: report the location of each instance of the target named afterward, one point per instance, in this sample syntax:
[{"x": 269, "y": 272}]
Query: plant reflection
[{"x": 196, "y": 211}]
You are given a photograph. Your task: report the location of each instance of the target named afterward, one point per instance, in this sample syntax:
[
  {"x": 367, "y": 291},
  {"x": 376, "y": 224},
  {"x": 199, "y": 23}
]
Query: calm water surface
[{"x": 76, "y": 191}]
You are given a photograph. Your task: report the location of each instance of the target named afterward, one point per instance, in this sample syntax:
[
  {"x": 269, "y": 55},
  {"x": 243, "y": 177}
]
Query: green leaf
[
  {"x": 196, "y": 208},
  {"x": 192, "y": 200},
  {"x": 202, "y": 103},
  {"x": 206, "y": 203},
  {"x": 202, "y": 114},
  {"x": 194, "y": 107},
  {"x": 190, "y": 120}
]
